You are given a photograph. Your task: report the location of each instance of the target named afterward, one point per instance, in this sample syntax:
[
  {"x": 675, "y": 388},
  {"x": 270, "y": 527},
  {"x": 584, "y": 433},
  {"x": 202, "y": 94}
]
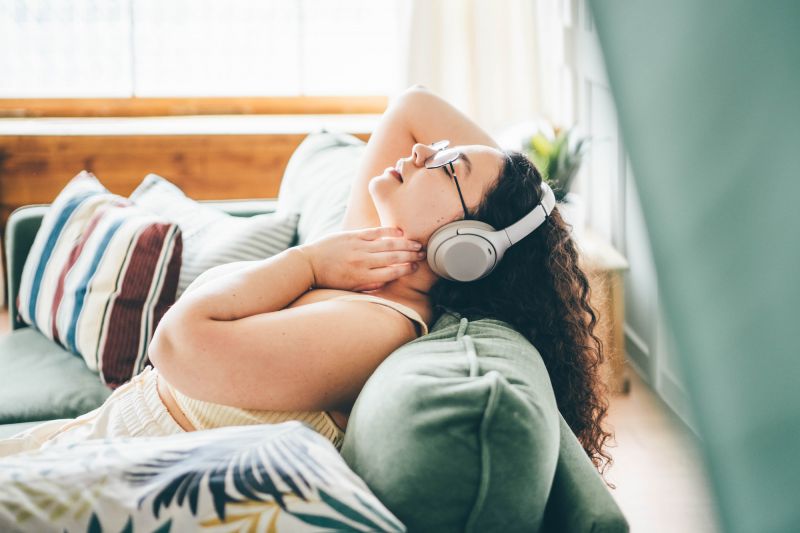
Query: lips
[{"x": 396, "y": 174}]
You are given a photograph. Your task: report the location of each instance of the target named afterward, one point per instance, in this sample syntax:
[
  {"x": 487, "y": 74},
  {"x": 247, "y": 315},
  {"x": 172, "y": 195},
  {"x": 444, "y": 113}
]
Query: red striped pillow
[{"x": 100, "y": 275}]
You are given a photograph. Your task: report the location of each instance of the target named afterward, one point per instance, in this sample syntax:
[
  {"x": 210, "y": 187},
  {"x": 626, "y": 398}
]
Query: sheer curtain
[{"x": 482, "y": 56}]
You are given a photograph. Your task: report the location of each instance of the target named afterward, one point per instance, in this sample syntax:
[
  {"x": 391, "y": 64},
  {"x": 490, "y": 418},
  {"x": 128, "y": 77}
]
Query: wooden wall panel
[{"x": 33, "y": 169}]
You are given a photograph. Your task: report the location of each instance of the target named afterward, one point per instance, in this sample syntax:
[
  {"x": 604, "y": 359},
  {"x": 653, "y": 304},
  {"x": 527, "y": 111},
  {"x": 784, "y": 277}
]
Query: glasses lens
[
  {"x": 441, "y": 158},
  {"x": 440, "y": 145}
]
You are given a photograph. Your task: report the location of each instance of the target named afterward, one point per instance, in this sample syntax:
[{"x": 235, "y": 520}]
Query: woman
[{"x": 294, "y": 336}]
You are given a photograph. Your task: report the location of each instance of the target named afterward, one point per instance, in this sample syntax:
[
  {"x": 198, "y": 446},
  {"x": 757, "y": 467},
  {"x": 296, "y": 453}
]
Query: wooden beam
[{"x": 131, "y": 107}]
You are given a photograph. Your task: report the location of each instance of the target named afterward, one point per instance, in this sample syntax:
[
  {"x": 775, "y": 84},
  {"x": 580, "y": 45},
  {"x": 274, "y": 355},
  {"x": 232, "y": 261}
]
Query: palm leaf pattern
[
  {"x": 257, "y": 465},
  {"x": 272, "y": 477}
]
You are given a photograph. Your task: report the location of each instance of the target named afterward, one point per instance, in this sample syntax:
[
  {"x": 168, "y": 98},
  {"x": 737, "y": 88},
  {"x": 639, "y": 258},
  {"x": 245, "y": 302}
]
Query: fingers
[
  {"x": 382, "y": 231},
  {"x": 390, "y": 256},
  {"x": 381, "y": 259},
  {"x": 393, "y": 243}
]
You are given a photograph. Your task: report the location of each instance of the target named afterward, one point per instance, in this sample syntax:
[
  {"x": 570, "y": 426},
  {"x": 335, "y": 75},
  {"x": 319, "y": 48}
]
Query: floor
[{"x": 660, "y": 485}]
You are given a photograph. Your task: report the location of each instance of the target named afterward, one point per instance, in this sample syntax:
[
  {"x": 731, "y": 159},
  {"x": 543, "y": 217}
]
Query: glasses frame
[{"x": 439, "y": 146}]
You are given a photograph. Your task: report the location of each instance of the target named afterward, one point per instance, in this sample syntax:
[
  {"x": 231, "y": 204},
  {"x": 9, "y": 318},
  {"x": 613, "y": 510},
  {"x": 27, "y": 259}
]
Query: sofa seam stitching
[{"x": 483, "y": 487}]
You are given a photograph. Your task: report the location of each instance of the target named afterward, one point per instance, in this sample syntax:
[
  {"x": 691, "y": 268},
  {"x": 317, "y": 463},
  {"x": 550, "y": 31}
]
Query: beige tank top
[{"x": 207, "y": 415}]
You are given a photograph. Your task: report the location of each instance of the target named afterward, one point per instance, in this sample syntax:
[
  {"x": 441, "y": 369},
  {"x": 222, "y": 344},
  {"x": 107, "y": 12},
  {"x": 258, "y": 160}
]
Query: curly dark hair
[{"x": 539, "y": 289}]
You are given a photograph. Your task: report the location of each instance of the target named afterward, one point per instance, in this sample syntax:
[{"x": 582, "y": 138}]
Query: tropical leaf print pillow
[{"x": 271, "y": 477}]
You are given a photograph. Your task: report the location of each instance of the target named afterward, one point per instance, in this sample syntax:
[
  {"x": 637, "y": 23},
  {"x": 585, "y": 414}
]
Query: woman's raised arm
[{"x": 416, "y": 116}]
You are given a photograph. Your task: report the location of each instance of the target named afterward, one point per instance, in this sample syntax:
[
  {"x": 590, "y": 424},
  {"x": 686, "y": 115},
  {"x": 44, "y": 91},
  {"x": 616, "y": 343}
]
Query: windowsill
[
  {"x": 599, "y": 253},
  {"x": 190, "y": 125}
]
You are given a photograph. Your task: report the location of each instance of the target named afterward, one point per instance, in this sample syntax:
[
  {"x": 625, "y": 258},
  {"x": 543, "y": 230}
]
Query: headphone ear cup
[
  {"x": 434, "y": 243},
  {"x": 461, "y": 257}
]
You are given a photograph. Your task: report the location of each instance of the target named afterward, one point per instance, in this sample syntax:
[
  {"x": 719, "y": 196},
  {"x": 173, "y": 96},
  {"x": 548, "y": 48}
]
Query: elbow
[
  {"x": 161, "y": 350},
  {"x": 415, "y": 93},
  {"x": 169, "y": 338},
  {"x": 417, "y": 87},
  {"x": 412, "y": 97}
]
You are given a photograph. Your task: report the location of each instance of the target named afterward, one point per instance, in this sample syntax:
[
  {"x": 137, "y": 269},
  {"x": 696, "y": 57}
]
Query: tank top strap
[{"x": 404, "y": 309}]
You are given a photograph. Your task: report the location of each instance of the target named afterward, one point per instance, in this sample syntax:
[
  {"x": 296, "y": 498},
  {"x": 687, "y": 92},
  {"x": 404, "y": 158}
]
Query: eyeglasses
[{"x": 445, "y": 159}]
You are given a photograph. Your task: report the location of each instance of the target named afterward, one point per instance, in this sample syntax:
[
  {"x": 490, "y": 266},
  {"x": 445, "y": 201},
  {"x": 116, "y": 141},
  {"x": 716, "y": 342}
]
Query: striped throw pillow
[
  {"x": 212, "y": 237},
  {"x": 100, "y": 275}
]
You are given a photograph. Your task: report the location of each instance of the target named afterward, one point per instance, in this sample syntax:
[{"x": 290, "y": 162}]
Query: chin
[{"x": 385, "y": 218}]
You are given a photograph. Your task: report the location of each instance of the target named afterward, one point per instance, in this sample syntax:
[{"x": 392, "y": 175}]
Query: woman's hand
[{"x": 361, "y": 259}]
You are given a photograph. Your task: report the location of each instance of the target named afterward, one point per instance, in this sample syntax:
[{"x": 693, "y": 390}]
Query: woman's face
[{"x": 420, "y": 200}]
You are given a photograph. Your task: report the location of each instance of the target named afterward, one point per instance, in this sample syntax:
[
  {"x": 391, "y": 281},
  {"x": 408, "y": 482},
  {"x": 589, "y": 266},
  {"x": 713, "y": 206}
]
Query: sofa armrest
[
  {"x": 24, "y": 223},
  {"x": 21, "y": 229},
  {"x": 579, "y": 501}
]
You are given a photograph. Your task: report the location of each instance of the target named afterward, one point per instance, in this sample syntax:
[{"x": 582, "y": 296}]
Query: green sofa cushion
[
  {"x": 317, "y": 182},
  {"x": 42, "y": 381},
  {"x": 579, "y": 500},
  {"x": 458, "y": 430}
]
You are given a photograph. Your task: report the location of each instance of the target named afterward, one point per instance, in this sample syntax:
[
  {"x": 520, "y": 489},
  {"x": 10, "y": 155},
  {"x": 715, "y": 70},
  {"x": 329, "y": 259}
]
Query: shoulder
[
  {"x": 365, "y": 303},
  {"x": 367, "y": 316},
  {"x": 340, "y": 343},
  {"x": 317, "y": 295}
]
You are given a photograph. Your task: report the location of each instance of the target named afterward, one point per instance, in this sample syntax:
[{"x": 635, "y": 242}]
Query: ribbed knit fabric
[
  {"x": 207, "y": 415},
  {"x": 133, "y": 410}
]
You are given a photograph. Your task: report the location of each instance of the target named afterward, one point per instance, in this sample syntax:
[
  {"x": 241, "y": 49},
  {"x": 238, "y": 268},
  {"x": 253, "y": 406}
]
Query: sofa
[{"x": 414, "y": 468}]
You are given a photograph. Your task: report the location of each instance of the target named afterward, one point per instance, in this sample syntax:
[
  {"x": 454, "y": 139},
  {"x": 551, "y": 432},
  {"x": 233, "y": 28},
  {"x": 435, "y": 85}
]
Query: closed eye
[
  {"x": 464, "y": 163},
  {"x": 467, "y": 162}
]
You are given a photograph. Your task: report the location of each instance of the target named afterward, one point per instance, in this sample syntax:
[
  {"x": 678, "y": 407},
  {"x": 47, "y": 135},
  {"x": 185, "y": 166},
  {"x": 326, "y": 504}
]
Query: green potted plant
[{"x": 557, "y": 153}]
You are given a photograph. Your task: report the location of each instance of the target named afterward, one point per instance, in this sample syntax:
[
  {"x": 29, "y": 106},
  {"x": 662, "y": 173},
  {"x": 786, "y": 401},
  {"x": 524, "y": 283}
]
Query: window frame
[{"x": 184, "y": 106}]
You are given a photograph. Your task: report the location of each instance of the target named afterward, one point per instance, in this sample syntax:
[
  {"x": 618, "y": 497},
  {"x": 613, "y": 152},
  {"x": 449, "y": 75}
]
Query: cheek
[
  {"x": 419, "y": 210},
  {"x": 423, "y": 214}
]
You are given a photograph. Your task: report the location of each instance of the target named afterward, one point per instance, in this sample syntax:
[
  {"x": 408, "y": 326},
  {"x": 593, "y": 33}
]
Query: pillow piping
[
  {"x": 469, "y": 346},
  {"x": 488, "y": 414},
  {"x": 483, "y": 488}
]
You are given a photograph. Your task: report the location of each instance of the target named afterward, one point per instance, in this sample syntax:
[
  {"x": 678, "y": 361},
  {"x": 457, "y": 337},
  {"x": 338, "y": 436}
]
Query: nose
[{"x": 420, "y": 153}]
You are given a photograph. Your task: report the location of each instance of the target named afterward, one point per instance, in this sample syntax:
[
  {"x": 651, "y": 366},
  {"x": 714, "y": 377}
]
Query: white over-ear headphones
[{"x": 468, "y": 250}]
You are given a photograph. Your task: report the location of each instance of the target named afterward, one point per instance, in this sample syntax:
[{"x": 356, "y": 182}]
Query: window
[{"x": 198, "y": 48}]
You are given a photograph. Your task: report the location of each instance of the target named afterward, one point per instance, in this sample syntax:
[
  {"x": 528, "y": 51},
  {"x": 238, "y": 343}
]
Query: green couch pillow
[
  {"x": 317, "y": 182},
  {"x": 40, "y": 380},
  {"x": 458, "y": 430}
]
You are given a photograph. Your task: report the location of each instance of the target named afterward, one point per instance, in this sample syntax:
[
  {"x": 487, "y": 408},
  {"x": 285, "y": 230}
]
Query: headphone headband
[{"x": 524, "y": 226}]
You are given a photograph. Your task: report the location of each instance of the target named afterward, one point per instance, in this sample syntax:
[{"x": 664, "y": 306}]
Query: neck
[{"x": 410, "y": 289}]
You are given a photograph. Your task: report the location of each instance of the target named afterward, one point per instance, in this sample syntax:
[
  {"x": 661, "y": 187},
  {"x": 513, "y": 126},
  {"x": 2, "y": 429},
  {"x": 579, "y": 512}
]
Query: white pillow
[
  {"x": 273, "y": 477},
  {"x": 317, "y": 182},
  {"x": 212, "y": 237}
]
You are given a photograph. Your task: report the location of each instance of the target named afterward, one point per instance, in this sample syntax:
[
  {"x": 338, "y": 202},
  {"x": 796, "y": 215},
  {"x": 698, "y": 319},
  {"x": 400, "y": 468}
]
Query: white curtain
[{"x": 483, "y": 56}]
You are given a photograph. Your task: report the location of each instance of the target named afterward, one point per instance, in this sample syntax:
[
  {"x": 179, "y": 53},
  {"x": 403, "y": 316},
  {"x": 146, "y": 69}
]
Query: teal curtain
[{"x": 708, "y": 96}]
